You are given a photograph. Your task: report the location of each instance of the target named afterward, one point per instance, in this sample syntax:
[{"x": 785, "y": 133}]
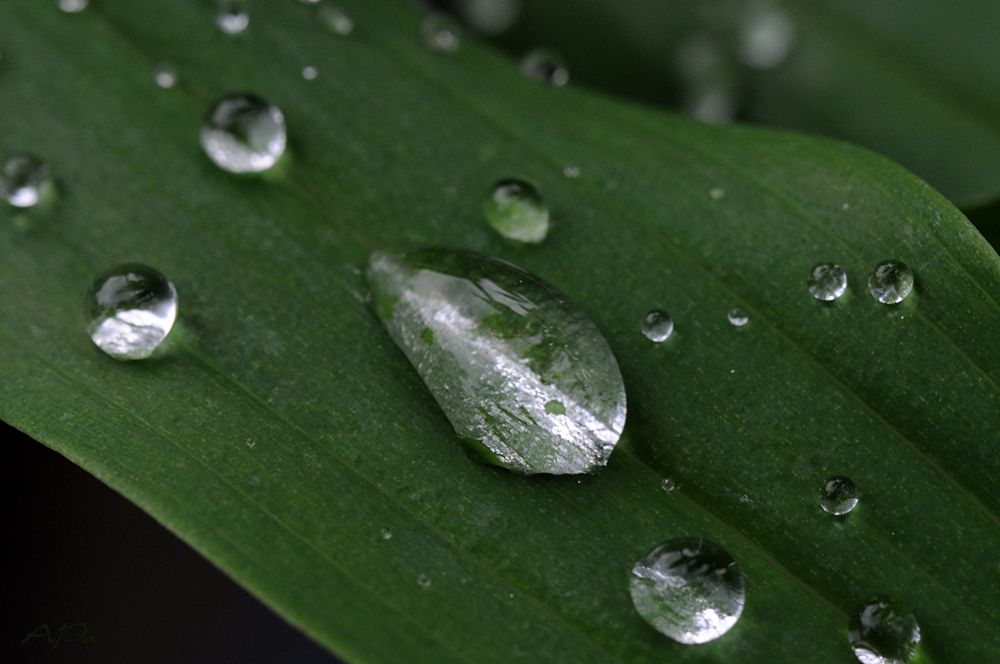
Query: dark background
[{"x": 82, "y": 553}]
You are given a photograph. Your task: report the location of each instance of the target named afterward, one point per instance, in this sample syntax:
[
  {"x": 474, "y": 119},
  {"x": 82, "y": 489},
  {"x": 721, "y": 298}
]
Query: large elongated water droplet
[
  {"x": 890, "y": 282},
  {"x": 884, "y": 631},
  {"x": 24, "y": 180},
  {"x": 827, "y": 281},
  {"x": 838, "y": 496},
  {"x": 244, "y": 134},
  {"x": 526, "y": 379},
  {"x": 690, "y": 589},
  {"x": 516, "y": 210},
  {"x": 130, "y": 309}
]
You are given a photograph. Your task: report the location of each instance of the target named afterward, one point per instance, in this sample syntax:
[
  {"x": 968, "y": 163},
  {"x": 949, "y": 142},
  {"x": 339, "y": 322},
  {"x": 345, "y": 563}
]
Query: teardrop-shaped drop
[{"x": 526, "y": 379}]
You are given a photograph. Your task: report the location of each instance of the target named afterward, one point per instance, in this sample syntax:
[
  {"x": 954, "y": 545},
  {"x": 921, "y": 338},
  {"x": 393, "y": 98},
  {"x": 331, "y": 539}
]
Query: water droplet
[
  {"x": 668, "y": 484},
  {"x": 827, "y": 281},
  {"x": 424, "y": 581},
  {"x": 73, "y": 6},
  {"x": 130, "y": 309},
  {"x": 336, "y": 20},
  {"x": 545, "y": 66},
  {"x": 440, "y": 32},
  {"x": 766, "y": 36},
  {"x": 657, "y": 325},
  {"x": 572, "y": 171},
  {"x": 717, "y": 193},
  {"x": 244, "y": 134},
  {"x": 232, "y": 17},
  {"x": 165, "y": 75},
  {"x": 490, "y": 17},
  {"x": 708, "y": 79},
  {"x": 385, "y": 534},
  {"x": 890, "y": 282},
  {"x": 738, "y": 317},
  {"x": 516, "y": 210},
  {"x": 690, "y": 589},
  {"x": 251, "y": 442},
  {"x": 309, "y": 73},
  {"x": 506, "y": 345},
  {"x": 24, "y": 180},
  {"x": 884, "y": 631},
  {"x": 838, "y": 496}
]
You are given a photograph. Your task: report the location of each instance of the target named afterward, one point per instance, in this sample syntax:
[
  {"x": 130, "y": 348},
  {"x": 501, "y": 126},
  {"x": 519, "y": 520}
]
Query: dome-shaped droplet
[
  {"x": 884, "y": 631},
  {"x": 668, "y": 484},
  {"x": 738, "y": 316},
  {"x": 657, "y": 325},
  {"x": 490, "y": 17},
  {"x": 335, "y": 19},
  {"x": 424, "y": 581},
  {"x": 130, "y": 309},
  {"x": 73, "y": 6},
  {"x": 545, "y": 66},
  {"x": 24, "y": 180},
  {"x": 441, "y": 33},
  {"x": 309, "y": 72},
  {"x": 838, "y": 496},
  {"x": 827, "y": 281},
  {"x": 766, "y": 35},
  {"x": 690, "y": 589},
  {"x": 232, "y": 17},
  {"x": 516, "y": 210},
  {"x": 385, "y": 533},
  {"x": 890, "y": 282},
  {"x": 526, "y": 379},
  {"x": 244, "y": 134},
  {"x": 165, "y": 75}
]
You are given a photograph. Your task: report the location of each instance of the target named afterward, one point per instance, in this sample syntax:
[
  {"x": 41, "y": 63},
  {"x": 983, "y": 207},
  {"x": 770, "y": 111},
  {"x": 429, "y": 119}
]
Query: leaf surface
[{"x": 283, "y": 435}]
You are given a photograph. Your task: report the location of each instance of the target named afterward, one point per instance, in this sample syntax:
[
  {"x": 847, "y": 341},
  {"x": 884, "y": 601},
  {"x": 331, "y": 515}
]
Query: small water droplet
[
  {"x": 545, "y": 66},
  {"x": 838, "y": 496},
  {"x": 130, "y": 309},
  {"x": 336, "y": 20},
  {"x": 309, "y": 73},
  {"x": 572, "y": 171},
  {"x": 657, "y": 325},
  {"x": 708, "y": 79},
  {"x": 232, "y": 17},
  {"x": 244, "y": 134},
  {"x": 506, "y": 345},
  {"x": 24, "y": 180},
  {"x": 884, "y": 631},
  {"x": 668, "y": 484},
  {"x": 490, "y": 17},
  {"x": 424, "y": 581},
  {"x": 717, "y": 193},
  {"x": 890, "y": 282},
  {"x": 309, "y": 2},
  {"x": 690, "y": 589},
  {"x": 385, "y": 534},
  {"x": 738, "y": 317},
  {"x": 766, "y": 36},
  {"x": 165, "y": 75},
  {"x": 441, "y": 32},
  {"x": 73, "y": 6},
  {"x": 827, "y": 281},
  {"x": 251, "y": 442},
  {"x": 516, "y": 210}
]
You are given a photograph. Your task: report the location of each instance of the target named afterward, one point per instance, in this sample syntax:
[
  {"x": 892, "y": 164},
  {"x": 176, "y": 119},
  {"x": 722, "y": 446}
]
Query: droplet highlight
[
  {"x": 309, "y": 73},
  {"x": 738, "y": 317},
  {"x": 165, "y": 75},
  {"x": 506, "y": 346},
  {"x": 244, "y": 134},
  {"x": 515, "y": 210},
  {"x": 232, "y": 17},
  {"x": 335, "y": 19},
  {"x": 24, "y": 180},
  {"x": 130, "y": 310},
  {"x": 441, "y": 33},
  {"x": 657, "y": 326},
  {"x": 839, "y": 496},
  {"x": 884, "y": 631},
  {"x": 690, "y": 589},
  {"x": 545, "y": 66},
  {"x": 890, "y": 282},
  {"x": 827, "y": 281}
]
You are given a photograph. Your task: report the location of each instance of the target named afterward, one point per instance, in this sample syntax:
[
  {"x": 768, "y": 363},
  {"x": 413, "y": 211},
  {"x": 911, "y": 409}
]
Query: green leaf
[
  {"x": 280, "y": 430},
  {"x": 917, "y": 80}
]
